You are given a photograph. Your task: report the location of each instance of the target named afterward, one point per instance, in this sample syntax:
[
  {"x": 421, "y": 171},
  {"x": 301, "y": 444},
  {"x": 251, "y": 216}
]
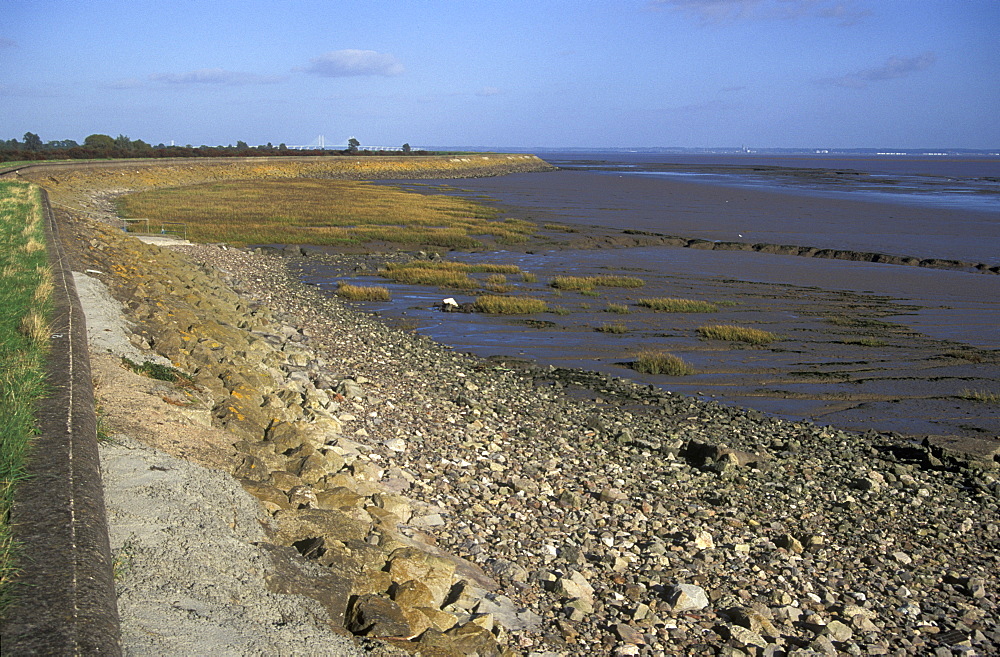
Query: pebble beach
[{"x": 616, "y": 518}]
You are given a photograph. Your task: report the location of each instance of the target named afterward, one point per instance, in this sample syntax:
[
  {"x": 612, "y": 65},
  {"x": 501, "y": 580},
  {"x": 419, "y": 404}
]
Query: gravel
[{"x": 627, "y": 520}]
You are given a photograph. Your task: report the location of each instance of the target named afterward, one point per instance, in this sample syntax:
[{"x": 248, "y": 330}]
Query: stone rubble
[{"x": 496, "y": 507}]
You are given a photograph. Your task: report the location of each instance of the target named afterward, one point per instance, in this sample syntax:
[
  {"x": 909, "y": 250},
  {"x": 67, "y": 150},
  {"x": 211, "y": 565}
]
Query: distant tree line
[{"x": 97, "y": 146}]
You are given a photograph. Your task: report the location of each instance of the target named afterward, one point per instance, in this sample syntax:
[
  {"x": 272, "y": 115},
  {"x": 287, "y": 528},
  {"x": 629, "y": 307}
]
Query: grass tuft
[
  {"x": 436, "y": 277},
  {"x": 617, "y": 328},
  {"x": 35, "y": 327},
  {"x": 362, "y": 293},
  {"x": 618, "y": 309},
  {"x": 588, "y": 283},
  {"x": 447, "y": 274},
  {"x": 497, "y": 283},
  {"x": 661, "y": 362},
  {"x": 980, "y": 396},
  {"x": 499, "y": 305},
  {"x": 667, "y": 305},
  {"x": 737, "y": 334}
]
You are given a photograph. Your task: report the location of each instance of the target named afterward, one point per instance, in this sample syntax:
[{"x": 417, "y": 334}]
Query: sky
[{"x": 515, "y": 73}]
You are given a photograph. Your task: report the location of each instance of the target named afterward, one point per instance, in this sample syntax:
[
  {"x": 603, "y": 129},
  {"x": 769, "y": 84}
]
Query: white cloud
[
  {"x": 217, "y": 76},
  {"x": 347, "y": 63},
  {"x": 893, "y": 68},
  {"x": 845, "y": 12}
]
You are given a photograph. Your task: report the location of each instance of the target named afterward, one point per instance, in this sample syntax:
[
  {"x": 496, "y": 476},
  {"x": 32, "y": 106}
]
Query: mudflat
[
  {"x": 717, "y": 212},
  {"x": 865, "y": 345}
]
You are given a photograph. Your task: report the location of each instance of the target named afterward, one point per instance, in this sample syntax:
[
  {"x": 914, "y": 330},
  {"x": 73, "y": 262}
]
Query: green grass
[
  {"x": 617, "y": 328},
  {"x": 667, "y": 305},
  {"x": 617, "y": 308},
  {"x": 588, "y": 283},
  {"x": 499, "y": 305},
  {"x": 661, "y": 362},
  {"x": 981, "y": 396},
  {"x": 362, "y": 292},
  {"x": 25, "y": 289},
  {"x": 737, "y": 334}
]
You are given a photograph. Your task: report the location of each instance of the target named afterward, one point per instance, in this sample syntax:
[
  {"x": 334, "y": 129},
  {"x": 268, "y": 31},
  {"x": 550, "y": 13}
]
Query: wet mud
[
  {"x": 864, "y": 342},
  {"x": 860, "y": 357}
]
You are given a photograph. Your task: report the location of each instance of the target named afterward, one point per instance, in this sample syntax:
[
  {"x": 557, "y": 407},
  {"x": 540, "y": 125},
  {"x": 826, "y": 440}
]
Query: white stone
[
  {"x": 395, "y": 444},
  {"x": 688, "y": 597}
]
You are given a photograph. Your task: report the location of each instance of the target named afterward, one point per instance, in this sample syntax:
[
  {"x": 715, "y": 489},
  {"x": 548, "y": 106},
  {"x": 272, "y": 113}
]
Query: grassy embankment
[{"x": 25, "y": 289}]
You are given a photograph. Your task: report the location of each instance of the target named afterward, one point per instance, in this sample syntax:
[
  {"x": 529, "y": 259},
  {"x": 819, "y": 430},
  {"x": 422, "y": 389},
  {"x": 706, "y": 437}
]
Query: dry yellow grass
[
  {"x": 76, "y": 188},
  {"x": 325, "y": 212},
  {"x": 35, "y": 327},
  {"x": 737, "y": 334},
  {"x": 497, "y": 283},
  {"x": 661, "y": 362},
  {"x": 616, "y": 328},
  {"x": 499, "y": 305},
  {"x": 362, "y": 292},
  {"x": 588, "y": 283},
  {"x": 446, "y": 278},
  {"x": 667, "y": 305}
]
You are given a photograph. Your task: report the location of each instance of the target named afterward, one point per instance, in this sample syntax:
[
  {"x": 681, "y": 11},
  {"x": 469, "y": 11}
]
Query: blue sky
[{"x": 616, "y": 73}]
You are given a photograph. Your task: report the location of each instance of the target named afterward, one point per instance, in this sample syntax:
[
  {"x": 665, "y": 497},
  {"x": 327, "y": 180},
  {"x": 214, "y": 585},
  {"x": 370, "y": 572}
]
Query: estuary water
[{"x": 864, "y": 345}]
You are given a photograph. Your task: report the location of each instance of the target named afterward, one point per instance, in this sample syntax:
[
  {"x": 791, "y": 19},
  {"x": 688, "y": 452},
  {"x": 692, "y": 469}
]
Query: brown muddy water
[{"x": 862, "y": 345}]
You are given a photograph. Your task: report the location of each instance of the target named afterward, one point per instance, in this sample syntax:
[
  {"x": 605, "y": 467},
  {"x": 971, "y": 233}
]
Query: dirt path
[{"x": 189, "y": 576}]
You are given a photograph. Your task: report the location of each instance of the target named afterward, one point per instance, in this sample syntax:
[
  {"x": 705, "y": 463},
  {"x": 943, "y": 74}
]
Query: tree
[
  {"x": 99, "y": 141},
  {"x": 406, "y": 149},
  {"x": 32, "y": 142},
  {"x": 241, "y": 145},
  {"x": 352, "y": 145},
  {"x": 60, "y": 144}
]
